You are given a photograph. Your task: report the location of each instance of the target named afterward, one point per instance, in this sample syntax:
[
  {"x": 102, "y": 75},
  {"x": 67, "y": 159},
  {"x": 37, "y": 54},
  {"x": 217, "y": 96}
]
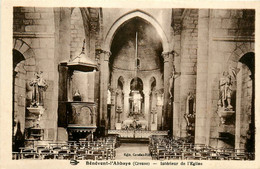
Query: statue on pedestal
[
  {"x": 39, "y": 86},
  {"x": 225, "y": 109},
  {"x": 225, "y": 89},
  {"x": 190, "y": 110}
]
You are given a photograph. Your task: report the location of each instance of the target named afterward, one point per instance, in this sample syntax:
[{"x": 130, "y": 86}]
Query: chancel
[{"x": 104, "y": 83}]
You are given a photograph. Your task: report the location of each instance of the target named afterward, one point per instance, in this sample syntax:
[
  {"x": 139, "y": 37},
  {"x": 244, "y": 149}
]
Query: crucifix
[{"x": 171, "y": 80}]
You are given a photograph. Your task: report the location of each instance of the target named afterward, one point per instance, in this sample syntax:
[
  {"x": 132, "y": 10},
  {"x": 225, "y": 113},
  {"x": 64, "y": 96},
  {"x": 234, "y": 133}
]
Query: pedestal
[
  {"x": 118, "y": 126},
  {"x": 33, "y": 129},
  {"x": 153, "y": 126},
  {"x": 225, "y": 115},
  {"x": 33, "y": 116}
]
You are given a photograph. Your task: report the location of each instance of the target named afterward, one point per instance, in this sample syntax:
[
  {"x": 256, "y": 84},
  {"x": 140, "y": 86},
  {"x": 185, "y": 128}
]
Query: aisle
[{"x": 133, "y": 151}]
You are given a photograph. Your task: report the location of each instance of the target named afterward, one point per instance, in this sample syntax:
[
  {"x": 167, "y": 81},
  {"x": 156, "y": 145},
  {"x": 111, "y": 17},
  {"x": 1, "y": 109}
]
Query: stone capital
[
  {"x": 126, "y": 92},
  {"x": 147, "y": 93},
  {"x": 113, "y": 91},
  {"x": 159, "y": 91},
  {"x": 126, "y": 96},
  {"x": 168, "y": 56},
  {"x": 107, "y": 54}
]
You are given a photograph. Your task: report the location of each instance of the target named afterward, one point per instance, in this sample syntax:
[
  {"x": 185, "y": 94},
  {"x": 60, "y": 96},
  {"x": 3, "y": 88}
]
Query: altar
[
  {"x": 136, "y": 133},
  {"x": 135, "y": 124}
]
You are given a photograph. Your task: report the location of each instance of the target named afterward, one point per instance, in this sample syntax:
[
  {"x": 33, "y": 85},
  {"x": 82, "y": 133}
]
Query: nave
[{"x": 133, "y": 74}]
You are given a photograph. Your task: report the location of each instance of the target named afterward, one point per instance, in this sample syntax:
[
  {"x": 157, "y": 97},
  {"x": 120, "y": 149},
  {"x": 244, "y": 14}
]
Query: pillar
[
  {"x": 238, "y": 107},
  {"x": 159, "y": 117},
  {"x": 167, "y": 71},
  {"x": 159, "y": 104},
  {"x": 113, "y": 109},
  {"x": 146, "y": 104},
  {"x": 62, "y": 18},
  {"x": 126, "y": 104},
  {"x": 104, "y": 77},
  {"x": 202, "y": 128}
]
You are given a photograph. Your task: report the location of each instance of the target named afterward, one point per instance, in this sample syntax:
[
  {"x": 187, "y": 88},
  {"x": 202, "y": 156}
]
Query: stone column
[
  {"x": 62, "y": 18},
  {"x": 104, "y": 75},
  {"x": 159, "y": 117},
  {"x": 201, "y": 129},
  {"x": 113, "y": 109},
  {"x": 238, "y": 107},
  {"x": 126, "y": 104},
  {"x": 154, "y": 104},
  {"x": 168, "y": 67},
  {"x": 159, "y": 104},
  {"x": 146, "y": 104}
]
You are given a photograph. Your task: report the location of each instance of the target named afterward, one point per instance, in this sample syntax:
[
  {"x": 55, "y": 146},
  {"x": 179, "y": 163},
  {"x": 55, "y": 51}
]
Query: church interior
[{"x": 112, "y": 83}]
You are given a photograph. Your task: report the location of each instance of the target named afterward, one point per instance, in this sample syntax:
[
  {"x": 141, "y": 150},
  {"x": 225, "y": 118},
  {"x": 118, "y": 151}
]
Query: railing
[{"x": 136, "y": 133}]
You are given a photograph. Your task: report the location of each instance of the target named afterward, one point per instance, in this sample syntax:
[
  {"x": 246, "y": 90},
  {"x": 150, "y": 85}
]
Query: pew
[
  {"x": 102, "y": 149},
  {"x": 165, "y": 148}
]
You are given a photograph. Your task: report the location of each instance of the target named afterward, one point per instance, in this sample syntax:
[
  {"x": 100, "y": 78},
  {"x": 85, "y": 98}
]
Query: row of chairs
[
  {"x": 83, "y": 150},
  {"x": 162, "y": 147}
]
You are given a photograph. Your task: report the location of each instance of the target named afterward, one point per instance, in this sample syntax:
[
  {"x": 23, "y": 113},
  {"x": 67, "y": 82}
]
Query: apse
[
  {"x": 136, "y": 57},
  {"x": 148, "y": 47}
]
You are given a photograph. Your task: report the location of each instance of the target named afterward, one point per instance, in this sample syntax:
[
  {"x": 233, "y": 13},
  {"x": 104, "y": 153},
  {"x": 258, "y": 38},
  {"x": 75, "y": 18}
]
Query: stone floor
[{"x": 133, "y": 151}]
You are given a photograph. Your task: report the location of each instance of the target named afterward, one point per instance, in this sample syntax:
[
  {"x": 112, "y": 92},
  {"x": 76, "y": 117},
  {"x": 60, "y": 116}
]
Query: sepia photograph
[{"x": 109, "y": 85}]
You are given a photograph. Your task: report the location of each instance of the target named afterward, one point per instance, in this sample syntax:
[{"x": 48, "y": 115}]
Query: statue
[
  {"x": 39, "y": 85},
  {"x": 190, "y": 109},
  {"x": 77, "y": 96},
  {"x": 225, "y": 88}
]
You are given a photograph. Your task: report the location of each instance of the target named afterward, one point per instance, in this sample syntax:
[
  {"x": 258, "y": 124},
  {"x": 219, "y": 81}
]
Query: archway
[
  {"x": 136, "y": 52},
  {"x": 245, "y": 107},
  {"x": 18, "y": 95},
  {"x": 112, "y": 31},
  {"x": 23, "y": 62}
]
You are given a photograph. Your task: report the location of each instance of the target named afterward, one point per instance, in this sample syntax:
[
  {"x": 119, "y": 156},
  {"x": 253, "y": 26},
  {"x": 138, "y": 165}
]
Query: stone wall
[
  {"x": 185, "y": 26},
  {"x": 224, "y": 36},
  {"x": 227, "y": 24},
  {"x": 77, "y": 33},
  {"x": 35, "y": 28},
  {"x": 188, "y": 62}
]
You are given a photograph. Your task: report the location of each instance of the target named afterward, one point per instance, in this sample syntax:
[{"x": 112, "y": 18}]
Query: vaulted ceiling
[{"x": 149, "y": 46}]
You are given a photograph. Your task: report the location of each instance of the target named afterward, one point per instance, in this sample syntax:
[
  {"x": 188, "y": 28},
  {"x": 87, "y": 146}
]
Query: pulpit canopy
[{"x": 82, "y": 62}]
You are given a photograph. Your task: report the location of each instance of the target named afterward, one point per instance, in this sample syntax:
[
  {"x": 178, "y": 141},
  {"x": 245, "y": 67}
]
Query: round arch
[
  {"x": 22, "y": 47},
  {"x": 240, "y": 51},
  {"x": 110, "y": 35},
  {"x": 136, "y": 83},
  {"x": 120, "y": 82}
]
